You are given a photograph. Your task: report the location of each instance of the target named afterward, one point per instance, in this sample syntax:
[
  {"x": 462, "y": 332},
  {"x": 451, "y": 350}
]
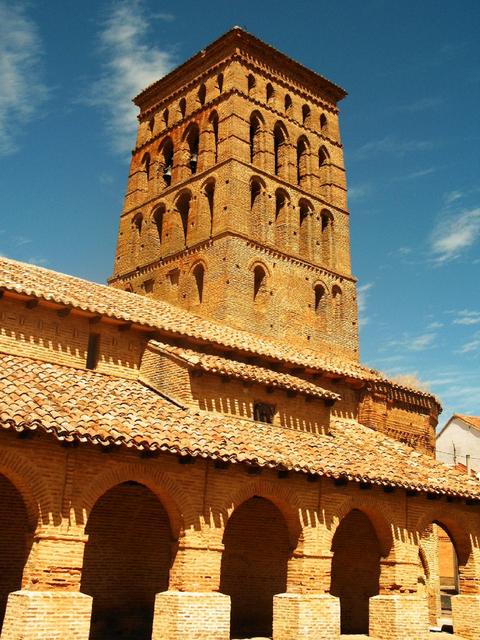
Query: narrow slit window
[
  {"x": 263, "y": 412},
  {"x": 92, "y": 351}
]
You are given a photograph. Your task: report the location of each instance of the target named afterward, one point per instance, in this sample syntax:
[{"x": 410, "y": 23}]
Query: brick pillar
[
  {"x": 306, "y": 617},
  {"x": 55, "y": 615},
  {"x": 193, "y": 608},
  {"x": 466, "y": 616},
  {"x": 398, "y": 617}
]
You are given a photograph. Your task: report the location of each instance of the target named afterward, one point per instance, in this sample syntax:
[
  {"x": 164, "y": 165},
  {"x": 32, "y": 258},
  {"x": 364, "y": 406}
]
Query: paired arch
[
  {"x": 280, "y": 149},
  {"x": 257, "y": 125}
]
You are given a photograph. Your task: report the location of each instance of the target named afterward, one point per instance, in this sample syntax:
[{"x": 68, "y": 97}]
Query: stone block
[{"x": 306, "y": 617}]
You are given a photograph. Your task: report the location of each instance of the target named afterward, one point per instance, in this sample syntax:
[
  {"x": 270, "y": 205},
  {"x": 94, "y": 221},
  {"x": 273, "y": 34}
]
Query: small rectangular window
[
  {"x": 92, "y": 350},
  {"x": 263, "y": 412}
]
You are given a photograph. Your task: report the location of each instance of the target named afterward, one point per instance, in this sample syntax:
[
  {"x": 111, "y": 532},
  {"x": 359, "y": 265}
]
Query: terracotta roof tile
[
  {"x": 99, "y": 299},
  {"x": 243, "y": 371},
  {"x": 473, "y": 421},
  {"x": 39, "y": 395}
]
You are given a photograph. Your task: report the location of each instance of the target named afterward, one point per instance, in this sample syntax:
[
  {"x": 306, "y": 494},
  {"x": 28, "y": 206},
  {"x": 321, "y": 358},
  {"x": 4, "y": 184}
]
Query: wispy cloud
[
  {"x": 452, "y": 196},
  {"x": 391, "y": 146},
  {"x": 422, "y": 104},
  {"x": 22, "y": 89},
  {"x": 472, "y": 346},
  {"x": 420, "y": 342},
  {"x": 362, "y": 293},
  {"x": 359, "y": 192},
  {"x": 454, "y": 234},
  {"x": 129, "y": 65},
  {"x": 467, "y": 317}
]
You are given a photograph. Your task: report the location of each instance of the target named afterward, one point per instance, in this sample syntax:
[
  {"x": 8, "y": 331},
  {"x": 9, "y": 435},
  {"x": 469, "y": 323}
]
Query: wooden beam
[{"x": 31, "y": 304}]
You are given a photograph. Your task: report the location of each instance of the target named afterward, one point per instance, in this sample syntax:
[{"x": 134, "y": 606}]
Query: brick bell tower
[{"x": 236, "y": 201}]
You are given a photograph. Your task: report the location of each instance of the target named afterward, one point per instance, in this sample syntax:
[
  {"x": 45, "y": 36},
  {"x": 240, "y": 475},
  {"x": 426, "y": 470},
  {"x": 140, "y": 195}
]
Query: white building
[{"x": 458, "y": 443}]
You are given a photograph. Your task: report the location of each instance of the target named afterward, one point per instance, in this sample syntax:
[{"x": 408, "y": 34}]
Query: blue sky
[{"x": 410, "y": 128}]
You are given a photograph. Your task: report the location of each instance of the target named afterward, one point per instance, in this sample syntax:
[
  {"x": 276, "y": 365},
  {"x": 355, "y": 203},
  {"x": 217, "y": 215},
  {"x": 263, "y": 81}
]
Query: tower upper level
[{"x": 236, "y": 199}]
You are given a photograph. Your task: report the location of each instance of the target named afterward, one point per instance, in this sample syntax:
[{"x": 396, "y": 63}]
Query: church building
[{"x": 195, "y": 450}]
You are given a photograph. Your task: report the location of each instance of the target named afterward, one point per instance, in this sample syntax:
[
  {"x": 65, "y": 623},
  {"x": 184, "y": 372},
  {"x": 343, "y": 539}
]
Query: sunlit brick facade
[{"x": 195, "y": 451}]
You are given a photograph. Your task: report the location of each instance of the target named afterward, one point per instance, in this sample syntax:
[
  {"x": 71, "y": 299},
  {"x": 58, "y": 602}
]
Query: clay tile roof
[
  {"x": 473, "y": 421},
  {"x": 243, "y": 371},
  {"x": 91, "y": 407}
]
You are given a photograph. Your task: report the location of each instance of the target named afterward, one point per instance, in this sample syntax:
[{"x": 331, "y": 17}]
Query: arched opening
[
  {"x": 288, "y": 105},
  {"x": 137, "y": 223},
  {"x": 214, "y": 124},
  {"x": 257, "y": 226},
  {"x": 280, "y": 150},
  {"x": 220, "y": 82},
  {"x": 323, "y": 123},
  {"x": 193, "y": 141},
  {"x": 151, "y": 124},
  {"x": 146, "y": 165},
  {"x": 306, "y": 115},
  {"x": 270, "y": 92},
  {"x": 326, "y": 220},
  {"x": 323, "y": 165},
  {"x": 199, "y": 275},
  {"x": 337, "y": 305},
  {"x": 355, "y": 570},
  {"x": 209, "y": 191},
  {"x": 166, "y": 166},
  {"x": 251, "y": 83},
  {"x": 126, "y": 562},
  {"x": 165, "y": 117},
  {"x": 302, "y": 161},
  {"x": 202, "y": 94},
  {"x": 183, "y": 207},
  {"x": 304, "y": 227},
  {"x": 259, "y": 281},
  {"x": 256, "y": 126},
  {"x": 254, "y": 566},
  {"x": 319, "y": 300},
  {"x": 158, "y": 220},
  {"x": 182, "y": 107},
  {"x": 281, "y": 218},
  {"x": 15, "y": 541}
]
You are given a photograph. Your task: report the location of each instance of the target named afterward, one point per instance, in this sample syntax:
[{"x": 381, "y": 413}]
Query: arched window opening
[
  {"x": 183, "y": 208},
  {"x": 281, "y": 218},
  {"x": 327, "y": 247},
  {"x": 220, "y": 82},
  {"x": 15, "y": 541},
  {"x": 158, "y": 219},
  {"x": 323, "y": 123},
  {"x": 259, "y": 281},
  {"x": 202, "y": 94},
  {"x": 255, "y": 137},
  {"x": 304, "y": 239},
  {"x": 306, "y": 113},
  {"x": 337, "y": 304},
  {"x": 165, "y": 117},
  {"x": 319, "y": 303},
  {"x": 280, "y": 150},
  {"x": 355, "y": 570},
  {"x": 167, "y": 164},
  {"x": 199, "y": 275},
  {"x": 122, "y": 581},
  {"x": 151, "y": 124},
  {"x": 214, "y": 124},
  {"x": 270, "y": 92},
  {"x": 146, "y": 165},
  {"x": 302, "y": 161},
  {"x": 138, "y": 223},
  {"x": 280, "y": 203},
  {"x": 255, "y": 191},
  {"x": 193, "y": 141},
  {"x": 288, "y": 104},
  {"x": 251, "y": 83},
  {"x": 210, "y": 195},
  {"x": 323, "y": 157},
  {"x": 254, "y": 566},
  {"x": 182, "y": 107}
]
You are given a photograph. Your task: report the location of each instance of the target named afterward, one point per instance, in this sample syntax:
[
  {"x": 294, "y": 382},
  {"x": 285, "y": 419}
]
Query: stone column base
[
  {"x": 183, "y": 615},
  {"x": 466, "y": 616},
  {"x": 47, "y": 614},
  {"x": 306, "y": 617},
  {"x": 399, "y": 617}
]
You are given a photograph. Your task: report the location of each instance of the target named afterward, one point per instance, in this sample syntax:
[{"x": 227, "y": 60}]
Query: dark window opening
[
  {"x": 210, "y": 194},
  {"x": 167, "y": 152},
  {"x": 146, "y": 165},
  {"x": 259, "y": 280},
  {"x": 151, "y": 124},
  {"x": 158, "y": 218},
  {"x": 270, "y": 92},
  {"x": 263, "y": 412},
  {"x": 306, "y": 115},
  {"x": 220, "y": 82},
  {"x": 148, "y": 285},
  {"x": 202, "y": 94},
  {"x": 255, "y": 190},
  {"x": 174, "y": 277},
  {"x": 251, "y": 82},
  {"x": 319, "y": 297},
  {"x": 182, "y": 105},
  {"x": 279, "y": 149},
  {"x": 323, "y": 122},
  {"x": 193, "y": 140},
  {"x": 288, "y": 104},
  {"x": 183, "y": 207},
  {"x": 138, "y": 222},
  {"x": 199, "y": 274},
  {"x": 165, "y": 117},
  {"x": 92, "y": 350},
  {"x": 214, "y": 122}
]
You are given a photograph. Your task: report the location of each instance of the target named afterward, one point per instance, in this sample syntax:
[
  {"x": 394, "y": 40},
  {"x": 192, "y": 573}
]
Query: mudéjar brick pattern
[{"x": 195, "y": 451}]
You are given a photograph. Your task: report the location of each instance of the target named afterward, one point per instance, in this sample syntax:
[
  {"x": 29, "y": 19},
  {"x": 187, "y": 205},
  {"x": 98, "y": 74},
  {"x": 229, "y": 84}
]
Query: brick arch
[
  {"x": 175, "y": 501},
  {"x": 32, "y": 487},
  {"x": 256, "y": 262},
  {"x": 371, "y": 509},
  {"x": 283, "y": 498},
  {"x": 454, "y": 524}
]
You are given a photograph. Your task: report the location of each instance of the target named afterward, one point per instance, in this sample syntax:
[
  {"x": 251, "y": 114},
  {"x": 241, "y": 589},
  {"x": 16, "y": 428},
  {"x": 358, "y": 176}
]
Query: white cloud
[
  {"x": 22, "y": 89},
  {"x": 467, "y": 317},
  {"x": 421, "y": 173},
  {"x": 358, "y": 192},
  {"x": 362, "y": 293},
  {"x": 422, "y": 104},
  {"x": 129, "y": 65},
  {"x": 454, "y": 234},
  {"x": 472, "y": 346},
  {"x": 421, "y": 342},
  {"x": 389, "y": 145},
  {"x": 452, "y": 196}
]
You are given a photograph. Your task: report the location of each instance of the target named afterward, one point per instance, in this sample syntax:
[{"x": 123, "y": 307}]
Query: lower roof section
[{"x": 90, "y": 407}]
